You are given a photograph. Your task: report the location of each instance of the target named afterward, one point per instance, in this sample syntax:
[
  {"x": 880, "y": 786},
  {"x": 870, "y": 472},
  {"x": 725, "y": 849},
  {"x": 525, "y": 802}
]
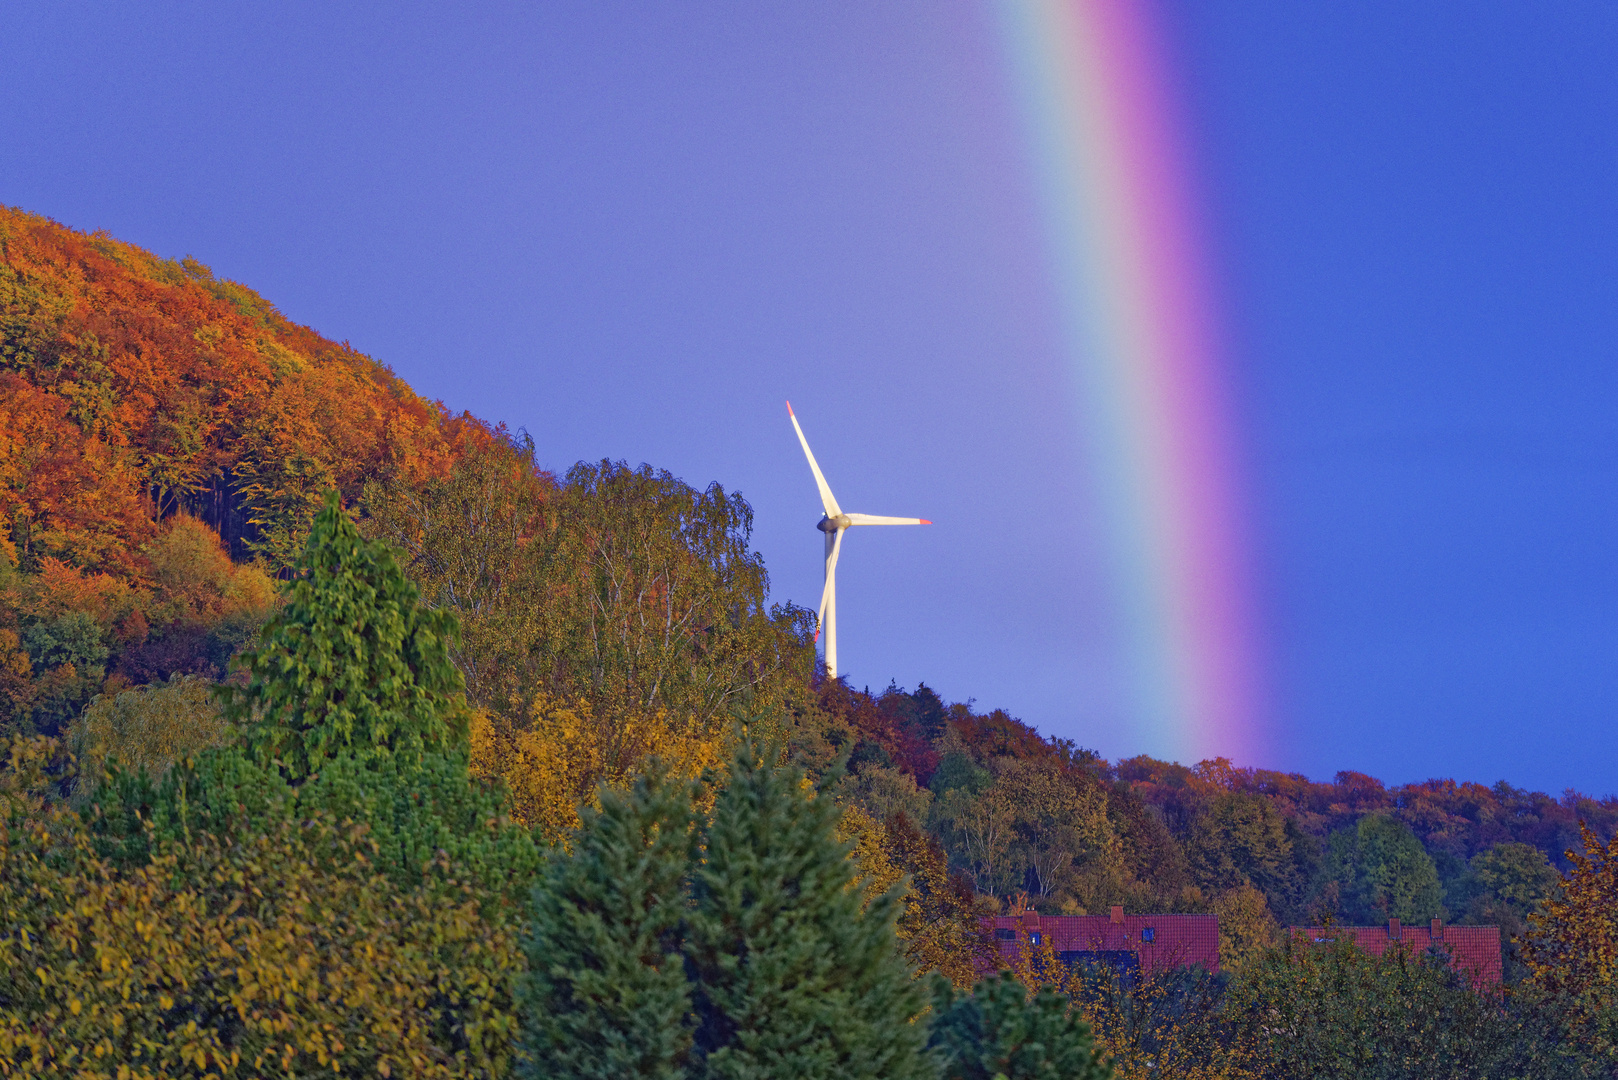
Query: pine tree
[
  {"x": 794, "y": 980},
  {"x": 352, "y": 663},
  {"x": 607, "y": 995},
  {"x": 998, "y": 1031}
]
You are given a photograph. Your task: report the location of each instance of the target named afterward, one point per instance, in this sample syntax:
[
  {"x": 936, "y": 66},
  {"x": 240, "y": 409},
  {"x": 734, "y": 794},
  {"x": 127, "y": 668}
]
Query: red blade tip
[{"x": 924, "y": 521}]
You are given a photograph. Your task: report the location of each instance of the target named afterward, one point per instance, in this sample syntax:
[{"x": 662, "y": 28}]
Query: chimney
[
  {"x": 1030, "y": 919},
  {"x": 1393, "y": 930},
  {"x": 1118, "y": 913},
  {"x": 1438, "y": 930}
]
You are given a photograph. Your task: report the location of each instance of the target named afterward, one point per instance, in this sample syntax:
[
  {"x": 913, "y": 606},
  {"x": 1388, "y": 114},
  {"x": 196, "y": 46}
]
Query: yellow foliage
[
  {"x": 284, "y": 953},
  {"x": 195, "y": 578},
  {"x": 148, "y": 728},
  {"x": 1571, "y": 948},
  {"x": 554, "y": 764},
  {"x": 882, "y": 792},
  {"x": 878, "y": 871},
  {"x": 940, "y": 926},
  {"x": 1162, "y": 1025},
  {"x": 59, "y": 589},
  {"x": 16, "y": 676},
  {"x": 1246, "y": 928}
]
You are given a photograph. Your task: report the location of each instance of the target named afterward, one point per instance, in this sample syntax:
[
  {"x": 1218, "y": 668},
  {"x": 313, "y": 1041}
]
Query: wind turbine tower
[{"x": 834, "y": 524}]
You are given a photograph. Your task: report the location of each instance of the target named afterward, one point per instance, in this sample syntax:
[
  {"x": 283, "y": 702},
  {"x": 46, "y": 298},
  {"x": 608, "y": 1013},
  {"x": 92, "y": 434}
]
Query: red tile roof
[
  {"x": 1474, "y": 950},
  {"x": 1156, "y": 941}
]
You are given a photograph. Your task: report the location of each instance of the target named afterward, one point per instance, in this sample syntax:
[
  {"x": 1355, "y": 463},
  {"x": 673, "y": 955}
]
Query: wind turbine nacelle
[{"x": 833, "y": 525}]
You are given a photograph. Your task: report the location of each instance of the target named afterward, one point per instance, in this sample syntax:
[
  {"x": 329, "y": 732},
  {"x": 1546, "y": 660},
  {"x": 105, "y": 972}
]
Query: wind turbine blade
[
  {"x": 876, "y": 519},
  {"x": 827, "y": 500},
  {"x": 833, "y": 546}
]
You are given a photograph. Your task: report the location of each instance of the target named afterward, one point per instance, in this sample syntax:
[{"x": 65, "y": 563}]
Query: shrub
[{"x": 1001, "y": 1031}]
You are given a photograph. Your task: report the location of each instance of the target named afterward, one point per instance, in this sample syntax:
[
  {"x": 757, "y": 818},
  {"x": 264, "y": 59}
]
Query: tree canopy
[{"x": 352, "y": 663}]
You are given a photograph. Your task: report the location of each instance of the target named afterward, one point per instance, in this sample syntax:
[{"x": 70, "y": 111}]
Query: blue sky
[{"x": 634, "y": 230}]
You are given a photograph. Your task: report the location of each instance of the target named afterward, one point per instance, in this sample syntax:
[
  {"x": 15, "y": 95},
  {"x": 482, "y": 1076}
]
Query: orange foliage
[
  {"x": 132, "y": 386},
  {"x": 59, "y": 588},
  {"x": 1000, "y": 735},
  {"x": 62, "y": 493}
]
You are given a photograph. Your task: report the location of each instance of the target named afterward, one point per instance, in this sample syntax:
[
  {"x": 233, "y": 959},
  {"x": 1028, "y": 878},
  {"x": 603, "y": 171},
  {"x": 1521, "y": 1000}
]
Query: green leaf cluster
[
  {"x": 336, "y": 894},
  {"x": 1001, "y": 1031},
  {"x": 352, "y": 664},
  {"x": 622, "y": 587},
  {"x": 1329, "y": 1011},
  {"x": 1383, "y": 872}
]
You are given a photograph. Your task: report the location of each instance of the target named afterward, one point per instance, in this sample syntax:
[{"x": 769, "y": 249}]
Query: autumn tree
[
  {"x": 619, "y": 617},
  {"x": 884, "y": 792},
  {"x": 661, "y": 603},
  {"x": 16, "y": 683},
  {"x": 940, "y": 924},
  {"x": 133, "y": 386},
  {"x": 1166, "y": 1022},
  {"x": 1244, "y": 840},
  {"x": 466, "y": 539},
  {"x": 368, "y": 844},
  {"x": 194, "y": 581},
  {"x": 980, "y": 826},
  {"x": 1571, "y": 948},
  {"x": 1247, "y": 928},
  {"x": 1039, "y": 824},
  {"x": 68, "y": 622},
  {"x": 146, "y": 729},
  {"x": 1323, "y": 1011},
  {"x": 1061, "y": 822},
  {"x": 285, "y": 950}
]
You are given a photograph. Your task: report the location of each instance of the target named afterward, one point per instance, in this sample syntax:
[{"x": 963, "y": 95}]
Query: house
[
  {"x": 1127, "y": 942},
  {"x": 1474, "y": 950}
]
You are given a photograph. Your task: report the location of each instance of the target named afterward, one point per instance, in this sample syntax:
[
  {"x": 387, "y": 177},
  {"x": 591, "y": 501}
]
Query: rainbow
[{"x": 1129, "y": 269}]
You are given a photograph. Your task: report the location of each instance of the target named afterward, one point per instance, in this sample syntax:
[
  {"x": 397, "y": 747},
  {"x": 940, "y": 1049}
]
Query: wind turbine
[{"x": 834, "y": 524}]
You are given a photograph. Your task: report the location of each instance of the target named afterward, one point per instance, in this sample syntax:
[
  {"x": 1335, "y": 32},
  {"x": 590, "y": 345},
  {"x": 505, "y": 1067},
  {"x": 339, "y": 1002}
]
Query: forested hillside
[
  {"x": 166, "y": 437},
  {"x": 1021, "y": 813},
  {"x": 167, "y": 440}
]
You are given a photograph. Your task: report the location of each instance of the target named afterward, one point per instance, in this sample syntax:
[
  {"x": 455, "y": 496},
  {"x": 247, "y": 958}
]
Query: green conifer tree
[
  {"x": 607, "y": 996},
  {"x": 353, "y": 710},
  {"x": 998, "y": 1031},
  {"x": 352, "y": 663},
  {"x": 793, "y": 978}
]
